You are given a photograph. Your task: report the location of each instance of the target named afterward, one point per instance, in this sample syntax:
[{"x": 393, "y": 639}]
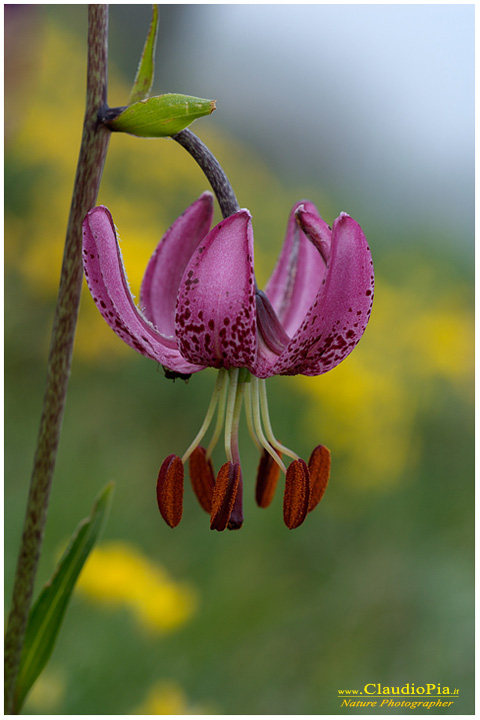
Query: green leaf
[
  {"x": 146, "y": 68},
  {"x": 47, "y": 613},
  {"x": 158, "y": 116}
]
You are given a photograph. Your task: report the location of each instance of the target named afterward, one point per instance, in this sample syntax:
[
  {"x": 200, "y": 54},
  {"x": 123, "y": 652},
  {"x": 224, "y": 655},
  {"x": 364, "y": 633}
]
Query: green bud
[{"x": 160, "y": 116}]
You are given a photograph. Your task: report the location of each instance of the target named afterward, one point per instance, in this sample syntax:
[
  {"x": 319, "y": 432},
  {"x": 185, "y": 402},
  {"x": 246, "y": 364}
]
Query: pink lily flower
[{"x": 200, "y": 307}]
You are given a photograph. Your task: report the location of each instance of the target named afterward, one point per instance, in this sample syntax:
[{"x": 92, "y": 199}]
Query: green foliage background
[{"x": 377, "y": 586}]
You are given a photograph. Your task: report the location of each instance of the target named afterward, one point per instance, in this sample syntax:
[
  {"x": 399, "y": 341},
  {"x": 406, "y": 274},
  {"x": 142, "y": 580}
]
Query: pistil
[
  {"x": 230, "y": 412},
  {"x": 236, "y": 517}
]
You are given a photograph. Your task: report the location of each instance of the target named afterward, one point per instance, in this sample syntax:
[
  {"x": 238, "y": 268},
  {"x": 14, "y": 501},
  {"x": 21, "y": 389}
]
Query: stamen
[
  {"x": 217, "y": 391},
  {"x": 267, "y": 478},
  {"x": 220, "y": 419},
  {"x": 202, "y": 477},
  {"x": 170, "y": 490},
  {"x": 224, "y": 495},
  {"x": 319, "y": 469},
  {"x": 268, "y": 427},
  {"x": 258, "y": 425},
  {"x": 297, "y": 490},
  {"x": 249, "y": 415}
]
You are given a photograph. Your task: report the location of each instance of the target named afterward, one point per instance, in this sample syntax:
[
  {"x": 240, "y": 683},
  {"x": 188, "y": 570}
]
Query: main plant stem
[{"x": 87, "y": 182}]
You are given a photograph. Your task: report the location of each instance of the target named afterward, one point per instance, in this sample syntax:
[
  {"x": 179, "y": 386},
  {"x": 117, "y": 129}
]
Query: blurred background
[{"x": 367, "y": 109}]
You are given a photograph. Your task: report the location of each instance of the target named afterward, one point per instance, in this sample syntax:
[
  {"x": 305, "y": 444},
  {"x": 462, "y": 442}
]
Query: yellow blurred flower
[
  {"x": 116, "y": 574},
  {"x": 367, "y": 406},
  {"x": 167, "y": 698}
]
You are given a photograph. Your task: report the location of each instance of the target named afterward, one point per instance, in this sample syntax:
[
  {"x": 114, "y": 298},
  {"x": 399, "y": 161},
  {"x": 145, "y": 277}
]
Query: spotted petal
[
  {"x": 339, "y": 314},
  {"x": 299, "y": 271},
  {"x": 215, "y": 320},
  {"x": 158, "y": 294},
  {"x": 108, "y": 285}
]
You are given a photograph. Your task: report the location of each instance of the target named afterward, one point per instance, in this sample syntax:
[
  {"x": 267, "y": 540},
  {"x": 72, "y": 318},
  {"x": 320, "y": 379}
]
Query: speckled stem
[
  {"x": 212, "y": 169},
  {"x": 87, "y": 182}
]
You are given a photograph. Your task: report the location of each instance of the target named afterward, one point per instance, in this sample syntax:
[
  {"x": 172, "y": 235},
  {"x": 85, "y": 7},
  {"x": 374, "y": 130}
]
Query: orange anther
[
  {"x": 297, "y": 491},
  {"x": 267, "y": 478},
  {"x": 202, "y": 478},
  {"x": 170, "y": 490},
  {"x": 224, "y": 494},
  {"x": 319, "y": 469}
]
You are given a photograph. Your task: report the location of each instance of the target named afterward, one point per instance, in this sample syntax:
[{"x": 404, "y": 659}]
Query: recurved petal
[
  {"x": 108, "y": 285},
  {"x": 299, "y": 271},
  {"x": 158, "y": 294},
  {"x": 215, "y": 322},
  {"x": 341, "y": 309}
]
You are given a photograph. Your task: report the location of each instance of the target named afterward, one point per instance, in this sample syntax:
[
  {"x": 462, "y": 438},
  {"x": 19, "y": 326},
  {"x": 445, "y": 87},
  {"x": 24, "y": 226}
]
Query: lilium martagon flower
[{"x": 200, "y": 307}]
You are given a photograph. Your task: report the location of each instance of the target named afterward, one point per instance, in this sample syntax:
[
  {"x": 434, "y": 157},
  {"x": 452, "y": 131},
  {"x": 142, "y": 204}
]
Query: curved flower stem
[
  {"x": 87, "y": 182},
  {"x": 212, "y": 169}
]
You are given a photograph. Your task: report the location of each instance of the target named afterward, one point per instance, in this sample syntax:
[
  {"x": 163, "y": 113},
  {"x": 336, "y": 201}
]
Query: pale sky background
[{"x": 375, "y": 102}]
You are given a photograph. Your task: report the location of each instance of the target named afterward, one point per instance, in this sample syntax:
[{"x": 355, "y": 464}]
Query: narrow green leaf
[
  {"x": 47, "y": 612},
  {"x": 146, "y": 68},
  {"x": 158, "y": 116}
]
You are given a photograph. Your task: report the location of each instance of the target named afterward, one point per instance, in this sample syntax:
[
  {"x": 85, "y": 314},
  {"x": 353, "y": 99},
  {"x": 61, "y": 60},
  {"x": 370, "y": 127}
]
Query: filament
[
  {"x": 249, "y": 415},
  {"x": 220, "y": 418},
  {"x": 257, "y": 422},
  {"x": 268, "y": 427},
  {"x": 217, "y": 392}
]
